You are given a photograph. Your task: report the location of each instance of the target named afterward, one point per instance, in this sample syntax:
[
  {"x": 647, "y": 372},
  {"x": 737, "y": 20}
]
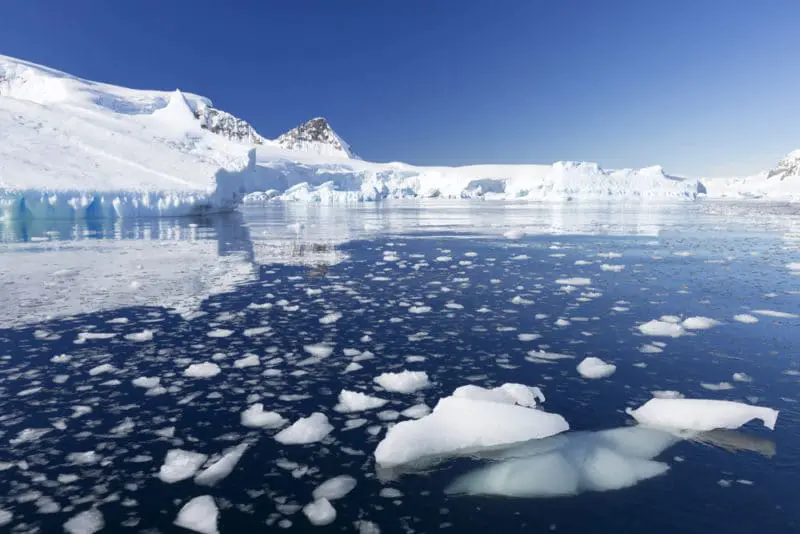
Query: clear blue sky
[{"x": 700, "y": 87}]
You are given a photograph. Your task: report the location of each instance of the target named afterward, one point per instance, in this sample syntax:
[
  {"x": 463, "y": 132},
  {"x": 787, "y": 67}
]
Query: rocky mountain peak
[
  {"x": 315, "y": 136},
  {"x": 788, "y": 166},
  {"x": 224, "y": 124}
]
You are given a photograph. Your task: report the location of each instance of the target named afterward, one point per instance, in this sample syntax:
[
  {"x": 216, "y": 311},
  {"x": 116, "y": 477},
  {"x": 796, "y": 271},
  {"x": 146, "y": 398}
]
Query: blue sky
[{"x": 700, "y": 87}]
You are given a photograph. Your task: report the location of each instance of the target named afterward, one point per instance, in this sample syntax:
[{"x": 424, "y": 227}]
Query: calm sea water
[{"x": 184, "y": 279}]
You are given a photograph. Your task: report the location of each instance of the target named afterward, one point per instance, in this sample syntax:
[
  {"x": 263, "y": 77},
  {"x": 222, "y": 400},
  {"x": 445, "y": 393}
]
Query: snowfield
[{"x": 73, "y": 148}]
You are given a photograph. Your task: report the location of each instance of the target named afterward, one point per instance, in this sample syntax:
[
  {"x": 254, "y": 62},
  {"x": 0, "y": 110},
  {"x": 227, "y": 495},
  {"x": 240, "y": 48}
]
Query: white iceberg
[
  {"x": 199, "y": 515},
  {"x": 354, "y": 401},
  {"x": 509, "y": 393},
  {"x": 256, "y": 417},
  {"x": 305, "y": 430},
  {"x": 592, "y": 367},
  {"x": 701, "y": 414},
  {"x": 699, "y": 323},
  {"x": 661, "y": 328},
  {"x": 180, "y": 465},
  {"x": 460, "y": 424},
  {"x": 403, "y": 382},
  {"x": 570, "y": 464},
  {"x": 223, "y": 467}
]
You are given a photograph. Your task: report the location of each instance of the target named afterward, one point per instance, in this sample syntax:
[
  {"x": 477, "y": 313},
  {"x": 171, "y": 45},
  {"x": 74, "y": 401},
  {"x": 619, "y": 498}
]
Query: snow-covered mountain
[
  {"x": 316, "y": 137},
  {"x": 71, "y": 147}
]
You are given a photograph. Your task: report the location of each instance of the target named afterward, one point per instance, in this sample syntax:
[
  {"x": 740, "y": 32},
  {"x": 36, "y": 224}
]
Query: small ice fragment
[
  {"x": 334, "y": 488},
  {"x": 257, "y": 331},
  {"x": 250, "y": 360},
  {"x": 592, "y": 367},
  {"x": 667, "y": 394},
  {"x": 777, "y": 314},
  {"x": 417, "y": 411},
  {"x": 745, "y": 318},
  {"x": 330, "y": 318},
  {"x": 223, "y": 467},
  {"x": 508, "y": 393},
  {"x": 320, "y": 512},
  {"x": 741, "y": 377},
  {"x": 256, "y": 417},
  {"x": 354, "y": 401},
  {"x": 319, "y": 350},
  {"x": 86, "y": 522},
  {"x": 199, "y": 515},
  {"x": 514, "y": 234},
  {"x": 202, "y": 370},
  {"x": 219, "y": 332},
  {"x": 701, "y": 414},
  {"x": 146, "y": 382},
  {"x": 648, "y": 348},
  {"x": 180, "y": 465},
  {"x": 100, "y": 369},
  {"x": 528, "y": 337},
  {"x": 661, "y": 328},
  {"x": 722, "y": 386},
  {"x": 305, "y": 430},
  {"x": 140, "y": 337},
  {"x": 5, "y": 517},
  {"x": 390, "y": 493},
  {"x": 403, "y": 382},
  {"x": 574, "y": 281},
  {"x": 353, "y": 366},
  {"x": 699, "y": 323},
  {"x": 419, "y": 309},
  {"x": 612, "y": 268}
]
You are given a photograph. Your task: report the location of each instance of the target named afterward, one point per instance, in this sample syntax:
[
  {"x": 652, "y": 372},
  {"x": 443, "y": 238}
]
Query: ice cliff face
[{"x": 316, "y": 136}]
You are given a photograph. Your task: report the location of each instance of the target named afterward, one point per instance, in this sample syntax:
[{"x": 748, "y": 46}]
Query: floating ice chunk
[
  {"x": 257, "y": 331},
  {"x": 793, "y": 266},
  {"x": 612, "y": 268},
  {"x": 86, "y": 522},
  {"x": 528, "y": 337},
  {"x": 777, "y": 314},
  {"x": 100, "y": 369},
  {"x": 202, "y": 370},
  {"x": 354, "y": 401},
  {"x": 140, "y": 337},
  {"x": 334, "y": 488},
  {"x": 667, "y": 394},
  {"x": 582, "y": 262},
  {"x": 180, "y": 465},
  {"x": 417, "y": 411},
  {"x": 674, "y": 319},
  {"x": 305, "y": 430},
  {"x": 562, "y": 322},
  {"x": 592, "y": 367},
  {"x": 366, "y": 527},
  {"x": 403, "y": 382},
  {"x": 223, "y": 467},
  {"x": 199, "y": 515},
  {"x": 390, "y": 493},
  {"x": 650, "y": 349},
  {"x": 459, "y": 424},
  {"x": 574, "y": 281},
  {"x": 540, "y": 356},
  {"x": 741, "y": 377},
  {"x": 330, "y": 318},
  {"x": 572, "y": 463},
  {"x": 61, "y": 358},
  {"x": 419, "y": 309},
  {"x": 353, "y": 366},
  {"x": 506, "y": 394},
  {"x": 146, "y": 382},
  {"x": 661, "y": 328},
  {"x": 5, "y": 517},
  {"x": 250, "y": 360},
  {"x": 256, "y": 417},
  {"x": 28, "y": 435},
  {"x": 701, "y": 414},
  {"x": 454, "y": 306},
  {"x": 609, "y": 255},
  {"x": 83, "y": 337},
  {"x": 320, "y": 512},
  {"x": 319, "y": 350},
  {"x": 722, "y": 386},
  {"x": 745, "y": 318},
  {"x": 699, "y": 323},
  {"x": 219, "y": 332}
]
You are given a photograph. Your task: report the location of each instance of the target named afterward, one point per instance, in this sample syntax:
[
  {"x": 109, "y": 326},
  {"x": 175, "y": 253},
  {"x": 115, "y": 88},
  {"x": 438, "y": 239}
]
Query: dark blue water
[{"x": 737, "y": 482}]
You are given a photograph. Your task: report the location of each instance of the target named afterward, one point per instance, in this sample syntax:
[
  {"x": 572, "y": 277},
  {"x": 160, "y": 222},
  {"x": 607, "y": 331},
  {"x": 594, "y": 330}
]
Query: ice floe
[
  {"x": 745, "y": 318},
  {"x": 509, "y": 393},
  {"x": 355, "y": 401},
  {"x": 180, "y": 464},
  {"x": 661, "y": 329},
  {"x": 698, "y": 323},
  {"x": 305, "y": 430},
  {"x": 593, "y": 367},
  {"x": 700, "y": 414},
  {"x": 202, "y": 370},
  {"x": 334, "y": 488},
  {"x": 86, "y": 522},
  {"x": 223, "y": 467},
  {"x": 776, "y": 314},
  {"x": 403, "y": 382},
  {"x": 199, "y": 515},
  {"x": 320, "y": 512}
]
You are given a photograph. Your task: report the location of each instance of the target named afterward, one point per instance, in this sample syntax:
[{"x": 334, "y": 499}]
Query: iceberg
[
  {"x": 701, "y": 415},
  {"x": 458, "y": 425},
  {"x": 592, "y": 367}
]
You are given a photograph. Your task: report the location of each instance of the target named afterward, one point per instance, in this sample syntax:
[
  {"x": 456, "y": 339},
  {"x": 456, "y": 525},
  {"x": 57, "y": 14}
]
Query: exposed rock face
[
  {"x": 788, "y": 166},
  {"x": 316, "y": 136},
  {"x": 224, "y": 124}
]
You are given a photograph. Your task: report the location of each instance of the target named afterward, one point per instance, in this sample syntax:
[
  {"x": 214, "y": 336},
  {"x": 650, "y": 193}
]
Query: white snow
[
  {"x": 320, "y": 512},
  {"x": 699, "y": 323},
  {"x": 202, "y": 370},
  {"x": 661, "y": 328},
  {"x": 745, "y": 318},
  {"x": 305, "y": 430},
  {"x": 593, "y": 367},
  {"x": 403, "y": 382},
  {"x": 570, "y": 464},
  {"x": 86, "y": 522},
  {"x": 508, "y": 393},
  {"x": 256, "y": 417},
  {"x": 334, "y": 488},
  {"x": 701, "y": 414},
  {"x": 354, "y": 401},
  {"x": 180, "y": 464},
  {"x": 199, "y": 515},
  {"x": 458, "y": 424},
  {"x": 223, "y": 467}
]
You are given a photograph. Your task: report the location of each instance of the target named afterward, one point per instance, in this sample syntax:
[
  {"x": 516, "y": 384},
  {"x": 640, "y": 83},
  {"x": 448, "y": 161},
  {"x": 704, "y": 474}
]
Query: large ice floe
[
  {"x": 471, "y": 419},
  {"x": 701, "y": 414}
]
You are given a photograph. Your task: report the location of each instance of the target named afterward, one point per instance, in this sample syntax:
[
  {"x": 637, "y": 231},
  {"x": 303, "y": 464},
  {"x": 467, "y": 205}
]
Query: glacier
[{"x": 72, "y": 148}]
